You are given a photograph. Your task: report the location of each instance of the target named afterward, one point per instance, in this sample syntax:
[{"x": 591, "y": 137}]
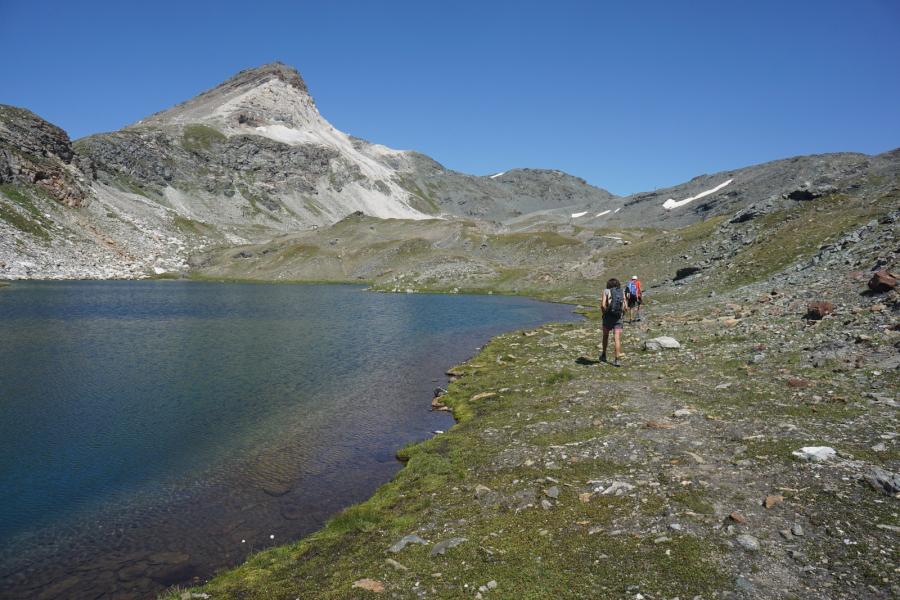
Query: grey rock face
[{"x": 35, "y": 152}]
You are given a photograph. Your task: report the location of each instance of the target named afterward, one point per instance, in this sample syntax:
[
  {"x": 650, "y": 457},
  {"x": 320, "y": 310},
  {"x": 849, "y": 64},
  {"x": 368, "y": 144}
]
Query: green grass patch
[
  {"x": 196, "y": 137},
  {"x": 21, "y": 213}
]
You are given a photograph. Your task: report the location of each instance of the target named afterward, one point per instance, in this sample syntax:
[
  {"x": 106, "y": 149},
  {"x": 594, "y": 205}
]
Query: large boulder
[
  {"x": 882, "y": 281},
  {"x": 663, "y": 342}
]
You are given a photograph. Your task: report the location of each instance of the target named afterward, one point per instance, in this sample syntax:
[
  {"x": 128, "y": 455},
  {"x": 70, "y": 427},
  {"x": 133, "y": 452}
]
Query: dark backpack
[{"x": 616, "y": 301}]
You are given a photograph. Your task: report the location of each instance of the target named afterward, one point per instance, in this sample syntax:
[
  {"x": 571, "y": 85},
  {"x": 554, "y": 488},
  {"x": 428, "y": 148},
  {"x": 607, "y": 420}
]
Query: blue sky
[{"x": 630, "y": 96}]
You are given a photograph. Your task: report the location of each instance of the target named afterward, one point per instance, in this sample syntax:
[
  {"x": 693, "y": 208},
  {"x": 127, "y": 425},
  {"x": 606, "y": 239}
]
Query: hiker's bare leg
[
  {"x": 605, "y": 341},
  {"x": 617, "y": 336}
]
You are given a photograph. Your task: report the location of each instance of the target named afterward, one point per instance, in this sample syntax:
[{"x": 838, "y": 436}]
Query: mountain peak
[
  {"x": 264, "y": 73},
  {"x": 238, "y": 93}
]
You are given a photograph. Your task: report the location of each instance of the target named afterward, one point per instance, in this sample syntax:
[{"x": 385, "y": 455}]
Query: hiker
[
  {"x": 612, "y": 305},
  {"x": 634, "y": 297}
]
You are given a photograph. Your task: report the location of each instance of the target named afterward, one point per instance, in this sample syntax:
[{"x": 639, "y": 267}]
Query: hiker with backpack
[
  {"x": 634, "y": 297},
  {"x": 612, "y": 305}
]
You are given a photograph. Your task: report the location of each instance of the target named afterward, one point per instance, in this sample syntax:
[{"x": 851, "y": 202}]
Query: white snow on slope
[
  {"x": 605, "y": 212},
  {"x": 498, "y": 175},
  {"x": 670, "y": 204},
  {"x": 576, "y": 215},
  {"x": 617, "y": 210}
]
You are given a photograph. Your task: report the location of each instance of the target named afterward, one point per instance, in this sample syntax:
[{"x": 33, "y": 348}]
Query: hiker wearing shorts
[
  {"x": 612, "y": 305},
  {"x": 634, "y": 298}
]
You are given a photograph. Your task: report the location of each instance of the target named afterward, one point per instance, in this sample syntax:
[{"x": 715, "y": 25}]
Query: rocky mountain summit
[{"x": 243, "y": 162}]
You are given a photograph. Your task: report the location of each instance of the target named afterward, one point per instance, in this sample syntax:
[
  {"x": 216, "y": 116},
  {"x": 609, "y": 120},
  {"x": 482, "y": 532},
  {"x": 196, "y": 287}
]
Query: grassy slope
[{"x": 608, "y": 545}]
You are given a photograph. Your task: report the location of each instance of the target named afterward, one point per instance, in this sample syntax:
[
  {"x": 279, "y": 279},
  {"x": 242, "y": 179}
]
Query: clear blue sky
[{"x": 629, "y": 95}]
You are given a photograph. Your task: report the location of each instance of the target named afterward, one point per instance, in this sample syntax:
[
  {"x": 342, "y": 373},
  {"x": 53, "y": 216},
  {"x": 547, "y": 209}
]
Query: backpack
[
  {"x": 632, "y": 288},
  {"x": 616, "y": 301}
]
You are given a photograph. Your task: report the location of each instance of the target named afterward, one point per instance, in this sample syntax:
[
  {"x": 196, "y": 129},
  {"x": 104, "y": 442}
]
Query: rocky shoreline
[{"x": 690, "y": 472}]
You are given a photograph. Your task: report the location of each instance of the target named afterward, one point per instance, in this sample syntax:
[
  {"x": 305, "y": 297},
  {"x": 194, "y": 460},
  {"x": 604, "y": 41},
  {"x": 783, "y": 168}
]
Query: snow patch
[
  {"x": 605, "y": 212},
  {"x": 617, "y": 210},
  {"x": 501, "y": 173},
  {"x": 670, "y": 204},
  {"x": 576, "y": 215}
]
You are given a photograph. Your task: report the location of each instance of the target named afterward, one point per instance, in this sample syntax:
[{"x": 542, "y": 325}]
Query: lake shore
[{"x": 565, "y": 478}]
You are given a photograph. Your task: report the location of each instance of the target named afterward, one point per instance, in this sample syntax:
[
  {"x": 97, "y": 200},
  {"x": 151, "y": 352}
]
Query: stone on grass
[
  {"x": 797, "y": 382},
  {"x": 882, "y": 281},
  {"x": 660, "y": 343},
  {"x": 772, "y": 500},
  {"x": 481, "y": 490},
  {"x": 552, "y": 492},
  {"x": 405, "y": 541},
  {"x": 748, "y": 542},
  {"x": 816, "y": 311},
  {"x": 371, "y": 585},
  {"x": 441, "y": 547},
  {"x": 815, "y": 453},
  {"x": 884, "y": 481},
  {"x": 617, "y": 488},
  {"x": 396, "y": 565},
  {"x": 737, "y": 517}
]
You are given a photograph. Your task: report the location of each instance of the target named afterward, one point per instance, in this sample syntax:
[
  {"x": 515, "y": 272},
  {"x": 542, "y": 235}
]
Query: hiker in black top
[{"x": 612, "y": 305}]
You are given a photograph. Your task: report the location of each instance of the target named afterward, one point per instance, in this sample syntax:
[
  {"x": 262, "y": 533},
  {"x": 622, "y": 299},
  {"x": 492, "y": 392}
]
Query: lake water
[{"x": 154, "y": 432}]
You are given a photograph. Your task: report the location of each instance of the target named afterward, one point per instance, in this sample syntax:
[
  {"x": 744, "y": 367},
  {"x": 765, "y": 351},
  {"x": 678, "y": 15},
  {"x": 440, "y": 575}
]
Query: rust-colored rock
[
  {"x": 815, "y": 311},
  {"x": 797, "y": 382},
  {"x": 737, "y": 517},
  {"x": 882, "y": 281},
  {"x": 773, "y": 500},
  {"x": 436, "y": 404},
  {"x": 371, "y": 585}
]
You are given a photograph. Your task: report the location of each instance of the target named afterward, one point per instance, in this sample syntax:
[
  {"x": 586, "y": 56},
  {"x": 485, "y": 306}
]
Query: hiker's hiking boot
[
  {"x": 616, "y": 363},
  {"x": 602, "y": 357}
]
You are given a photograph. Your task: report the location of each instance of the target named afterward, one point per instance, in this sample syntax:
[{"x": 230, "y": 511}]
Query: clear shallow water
[{"x": 153, "y": 432}]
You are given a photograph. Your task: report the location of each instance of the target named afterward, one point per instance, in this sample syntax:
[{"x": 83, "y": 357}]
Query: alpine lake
[{"x": 154, "y": 432}]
